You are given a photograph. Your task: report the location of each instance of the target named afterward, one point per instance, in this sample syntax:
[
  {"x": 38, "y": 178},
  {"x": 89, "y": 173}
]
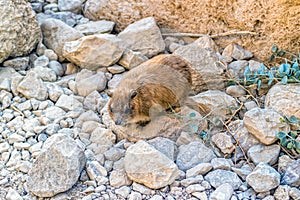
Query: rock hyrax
[{"x": 163, "y": 81}]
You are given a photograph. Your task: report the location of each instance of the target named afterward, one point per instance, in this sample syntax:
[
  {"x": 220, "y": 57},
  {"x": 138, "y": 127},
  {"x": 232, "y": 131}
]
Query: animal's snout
[{"x": 118, "y": 120}]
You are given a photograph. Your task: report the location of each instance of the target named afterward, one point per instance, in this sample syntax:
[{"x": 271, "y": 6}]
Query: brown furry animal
[{"x": 161, "y": 82}]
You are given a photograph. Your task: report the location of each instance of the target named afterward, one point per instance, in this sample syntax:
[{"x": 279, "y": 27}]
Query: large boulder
[
  {"x": 213, "y": 17},
  {"x": 19, "y": 32}
]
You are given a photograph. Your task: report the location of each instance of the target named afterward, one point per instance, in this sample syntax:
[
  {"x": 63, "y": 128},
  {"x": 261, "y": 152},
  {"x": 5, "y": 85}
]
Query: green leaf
[
  {"x": 203, "y": 135},
  {"x": 281, "y": 53},
  {"x": 271, "y": 77},
  {"x": 192, "y": 115},
  {"x": 293, "y": 135},
  {"x": 274, "y": 48},
  {"x": 261, "y": 69},
  {"x": 247, "y": 73},
  {"x": 272, "y": 58},
  {"x": 295, "y": 66},
  {"x": 290, "y": 145},
  {"x": 297, "y": 75},
  {"x": 284, "y": 80},
  {"x": 281, "y": 68},
  {"x": 293, "y": 120},
  {"x": 284, "y": 142},
  {"x": 281, "y": 135},
  {"x": 258, "y": 84},
  {"x": 297, "y": 146}
]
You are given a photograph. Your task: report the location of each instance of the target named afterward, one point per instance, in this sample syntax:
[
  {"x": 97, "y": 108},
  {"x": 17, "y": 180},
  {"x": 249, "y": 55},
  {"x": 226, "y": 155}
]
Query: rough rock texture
[
  {"x": 263, "y": 178},
  {"x": 94, "y": 51},
  {"x": 220, "y": 176},
  {"x": 56, "y": 33},
  {"x": 57, "y": 168},
  {"x": 217, "y": 102},
  {"x": 212, "y": 17},
  {"x": 143, "y": 36},
  {"x": 97, "y": 27},
  {"x": 285, "y": 99},
  {"x": 144, "y": 164},
  {"x": 32, "y": 86},
  {"x": 292, "y": 174},
  {"x": 19, "y": 32},
  {"x": 264, "y": 124},
  {"x": 192, "y": 154},
  {"x": 267, "y": 154},
  {"x": 206, "y": 74}
]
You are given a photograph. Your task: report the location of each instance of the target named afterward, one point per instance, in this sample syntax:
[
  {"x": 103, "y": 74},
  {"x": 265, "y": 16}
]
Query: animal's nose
[{"x": 118, "y": 120}]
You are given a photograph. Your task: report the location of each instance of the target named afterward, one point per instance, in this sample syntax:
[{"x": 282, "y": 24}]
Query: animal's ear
[
  {"x": 133, "y": 93},
  {"x": 110, "y": 93}
]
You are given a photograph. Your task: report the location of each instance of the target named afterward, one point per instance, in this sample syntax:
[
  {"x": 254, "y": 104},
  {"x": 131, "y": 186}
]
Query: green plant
[
  {"x": 289, "y": 140},
  {"x": 287, "y": 72}
]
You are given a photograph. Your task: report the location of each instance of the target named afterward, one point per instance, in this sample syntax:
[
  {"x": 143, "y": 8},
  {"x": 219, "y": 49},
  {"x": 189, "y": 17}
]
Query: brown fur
[{"x": 161, "y": 82}]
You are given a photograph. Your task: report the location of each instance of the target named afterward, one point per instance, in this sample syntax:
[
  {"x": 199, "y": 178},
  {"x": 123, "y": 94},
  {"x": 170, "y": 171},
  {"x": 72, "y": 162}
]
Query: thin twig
[
  {"x": 233, "y": 32},
  {"x": 235, "y": 112},
  {"x": 17, "y": 110},
  {"x": 238, "y": 144}
]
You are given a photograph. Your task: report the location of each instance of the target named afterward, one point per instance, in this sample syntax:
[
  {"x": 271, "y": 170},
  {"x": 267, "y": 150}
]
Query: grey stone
[
  {"x": 282, "y": 192},
  {"x": 87, "y": 82},
  {"x": 237, "y": 68},
  {"x": 94, "y": 51},
  {"x": 41, "y": 61},
  {"x": 192, "y": 154},
  {"x": 165, "y": 146},
  {"x": 284, "y": 162},
  {"x": 12, "y": 194},
  {"x": 267, "y": 154},
  {"x": 56, "y": 33},
  {"x": 194, "y": 188},
  {"x": 192, "y": 180},
  {"x": 54, "y": 91},
  {"x": 284, "y": 99},
  {"x": 33, "y": 87},
  {"x": 94, "y": 170},
  {"x": 74, "y": 6},
  {"x": 263, "y": 178},
  {"x": 235, "y": 91},
  {"x": 219, "y": 177},
  {"x": 68, "y": 103},
  {"x": 220, "y": 163},
  {"x": 216, "y": 102},
  {"x": 224, "y": 142},
  {"x": 201, "y": 168},
  {"x": 57, "y": 167},
  {"x": 135, "y": 196},
  {"x": 54, "y": 112},
  {"x": 123, "y": 191},
  {"x": 116, "y": 69},
  {"x": 292, "y": 174},
  {"x": 131, "y": 59},
  {"x": 95, "y": 27},
  {"x": 223, "y": 192},
  {"x": 143, "y": 36},
  {"x": 20, "y": 31},
  {"x": 294, "y": 193},
  {"x": 144, "y": 164},
  {"x": 112, "y": 84},
  {"x": 245, "y": 139},
  {"x": 56, "y": 67},
  {"x": 114, "y": 154},
  {"x": 19, "y": 63},
  {"x": 45, "y": 73},
  {"x": 50, "y": 54},
  {"x": 119, "y": 178},
  {"x": 206, "y": 75},
  {"x": 234, "y": 51},
  {"x": 264, "y": 124},
  {"x": 243, "y": 172},
  {"x": 142, "y": 189}
]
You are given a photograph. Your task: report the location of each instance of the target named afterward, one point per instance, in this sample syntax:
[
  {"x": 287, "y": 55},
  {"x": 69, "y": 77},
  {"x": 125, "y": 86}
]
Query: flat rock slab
[
  {"x": 285, "y": 99},
  {"x": 146, "y": 165},
  {"x": 57, "y": 168},
  {"x": 264, "y": 124}
]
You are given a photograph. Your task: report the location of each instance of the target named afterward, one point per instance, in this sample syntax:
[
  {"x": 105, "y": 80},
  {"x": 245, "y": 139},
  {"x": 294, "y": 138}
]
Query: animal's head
[{"x": 120, "y": 107}]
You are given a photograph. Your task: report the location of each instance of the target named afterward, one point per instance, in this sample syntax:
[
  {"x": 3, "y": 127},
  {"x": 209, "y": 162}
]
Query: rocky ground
[{"x": 58, "y": 142}]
